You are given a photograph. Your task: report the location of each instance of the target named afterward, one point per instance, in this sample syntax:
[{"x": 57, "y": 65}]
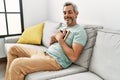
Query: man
[{"x": 61, "y": 54}]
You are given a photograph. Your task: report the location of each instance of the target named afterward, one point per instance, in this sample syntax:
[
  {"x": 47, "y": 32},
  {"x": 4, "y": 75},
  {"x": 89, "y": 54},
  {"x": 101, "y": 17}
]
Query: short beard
[{"x": 70, "y": 23}]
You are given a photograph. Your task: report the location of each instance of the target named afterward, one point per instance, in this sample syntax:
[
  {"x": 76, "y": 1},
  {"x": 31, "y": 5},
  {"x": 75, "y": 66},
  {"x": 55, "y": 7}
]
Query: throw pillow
[
  {"x": 50, "y": 28},
  {"x": 32, "y": 35},
  {"x": 88, "y": 48}
]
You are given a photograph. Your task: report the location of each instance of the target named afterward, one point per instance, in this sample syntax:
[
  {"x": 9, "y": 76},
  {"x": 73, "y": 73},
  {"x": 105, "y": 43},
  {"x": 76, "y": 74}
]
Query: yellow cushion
[{"x": 32, "y": 35}]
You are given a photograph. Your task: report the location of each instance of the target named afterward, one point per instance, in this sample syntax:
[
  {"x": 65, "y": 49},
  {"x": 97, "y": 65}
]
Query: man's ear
[{"x": 76, "y": 13}]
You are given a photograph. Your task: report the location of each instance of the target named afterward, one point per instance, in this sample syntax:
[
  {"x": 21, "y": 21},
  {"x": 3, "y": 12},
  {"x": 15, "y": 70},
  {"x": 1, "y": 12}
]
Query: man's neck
[{"x": 72, "y": 25}]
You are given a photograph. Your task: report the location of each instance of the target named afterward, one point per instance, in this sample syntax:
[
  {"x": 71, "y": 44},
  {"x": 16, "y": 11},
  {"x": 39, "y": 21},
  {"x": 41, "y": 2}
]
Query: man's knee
[
  {"x": 12, "y": 49},
  {"x": 16, "y": 65}
]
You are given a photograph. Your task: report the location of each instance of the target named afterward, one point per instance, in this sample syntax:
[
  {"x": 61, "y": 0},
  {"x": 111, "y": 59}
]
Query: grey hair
[{"x": 70, "y": 3}]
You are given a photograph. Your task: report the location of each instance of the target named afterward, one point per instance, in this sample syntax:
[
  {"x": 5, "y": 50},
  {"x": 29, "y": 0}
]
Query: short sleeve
[{"x": 80, "y": 37}]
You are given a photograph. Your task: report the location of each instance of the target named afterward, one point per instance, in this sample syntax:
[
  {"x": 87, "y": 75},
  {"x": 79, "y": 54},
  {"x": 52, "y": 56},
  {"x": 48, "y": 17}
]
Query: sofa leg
[{"x": 3, "y": 59}]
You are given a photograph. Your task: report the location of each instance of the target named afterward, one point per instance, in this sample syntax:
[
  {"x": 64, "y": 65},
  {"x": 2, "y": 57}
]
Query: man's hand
[
  {"x": 59, "y": 36},
  {"x": 53, "y": 39}
]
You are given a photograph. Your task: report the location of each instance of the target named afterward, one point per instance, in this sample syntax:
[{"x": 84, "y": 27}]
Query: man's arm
[
  {"x": 74, "y": 52},
  {"x": 52, "y": 39}
]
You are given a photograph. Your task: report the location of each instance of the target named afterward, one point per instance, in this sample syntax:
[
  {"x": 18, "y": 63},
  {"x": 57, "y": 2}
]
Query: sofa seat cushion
[
  {"x": 80, "y": 76},
  {"x": 45, "y": 75},
  {"x": 106, "y": 55},
  {"x": 37, "y": 47}
]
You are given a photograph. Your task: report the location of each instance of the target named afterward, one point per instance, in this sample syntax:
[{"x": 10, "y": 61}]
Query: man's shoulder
[{"x": 79, "y": 28}]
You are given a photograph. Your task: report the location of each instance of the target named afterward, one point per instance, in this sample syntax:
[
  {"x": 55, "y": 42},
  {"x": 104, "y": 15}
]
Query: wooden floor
[{"x": 3, "y": 62}]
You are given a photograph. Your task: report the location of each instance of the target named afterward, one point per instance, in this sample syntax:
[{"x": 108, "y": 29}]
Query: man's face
[{"x": 69, "y": 15}]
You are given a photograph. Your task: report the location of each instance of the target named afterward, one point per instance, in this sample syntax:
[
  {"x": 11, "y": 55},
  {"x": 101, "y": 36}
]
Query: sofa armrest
[
  {"x": 2, "y": 48},
  {"x": 12, "y": 39}
]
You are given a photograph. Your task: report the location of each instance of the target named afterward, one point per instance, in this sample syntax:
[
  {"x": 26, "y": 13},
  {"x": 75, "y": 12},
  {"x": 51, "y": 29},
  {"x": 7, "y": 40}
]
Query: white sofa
[{"x": 100, "y": 59}]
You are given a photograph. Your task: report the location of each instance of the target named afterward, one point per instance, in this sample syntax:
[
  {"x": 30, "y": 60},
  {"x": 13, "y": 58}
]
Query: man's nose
[{"x": 66, "y": 14}]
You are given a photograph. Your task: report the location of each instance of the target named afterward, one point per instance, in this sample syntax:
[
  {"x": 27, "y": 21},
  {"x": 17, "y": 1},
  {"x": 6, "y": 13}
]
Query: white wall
[
  {"x": 99, "y": 12},
  {"x": 34, "y": 12}
]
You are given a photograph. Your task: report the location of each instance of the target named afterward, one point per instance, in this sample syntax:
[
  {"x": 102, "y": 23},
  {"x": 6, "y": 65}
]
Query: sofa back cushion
[
  {"x": 88, "y": 49},
  {"x": 49, "y": 29},
  {"x": 105, "y": 60}
]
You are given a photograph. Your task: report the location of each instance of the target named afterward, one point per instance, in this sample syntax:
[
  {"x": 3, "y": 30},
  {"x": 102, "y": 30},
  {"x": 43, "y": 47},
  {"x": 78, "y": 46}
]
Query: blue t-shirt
[{"x": 77, "y": 34}]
